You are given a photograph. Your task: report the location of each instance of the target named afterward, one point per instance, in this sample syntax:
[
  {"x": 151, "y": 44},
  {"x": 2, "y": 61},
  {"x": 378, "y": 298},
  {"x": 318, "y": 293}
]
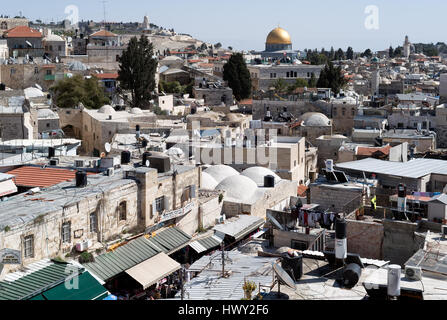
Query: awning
[
  {"x": 154, "y": 269},
  {"x": 206, "y": 244},
  {"x": 88, "y": 288},
  {"x": 7, "y": 187}
]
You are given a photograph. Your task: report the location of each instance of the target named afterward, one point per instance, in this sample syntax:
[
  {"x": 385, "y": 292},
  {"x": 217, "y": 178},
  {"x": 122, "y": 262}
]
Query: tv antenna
[{"x": 104, "y": 9}]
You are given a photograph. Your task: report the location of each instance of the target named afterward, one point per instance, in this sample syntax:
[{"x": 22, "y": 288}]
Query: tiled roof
[
  {"x": 23, "y": 32},
  {"x": 28, "y": 176},
  {"x": 103, "y": 33},
  {"x": 106, "y": 75},
  {"x": 367, "y": 151}
]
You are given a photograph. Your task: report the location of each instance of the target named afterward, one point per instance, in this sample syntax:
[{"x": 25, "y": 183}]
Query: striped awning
[{"x": 206, "y": 244}]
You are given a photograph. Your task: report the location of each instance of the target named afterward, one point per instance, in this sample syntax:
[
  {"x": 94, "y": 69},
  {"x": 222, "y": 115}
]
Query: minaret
[
  {"x": 146, "y": 24},
  {"x": 407, "y": 48},
  {"x": 375, "y": 82}
]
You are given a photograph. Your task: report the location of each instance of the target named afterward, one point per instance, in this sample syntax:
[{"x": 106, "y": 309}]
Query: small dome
[
  {"x": 257, "y": 174},
  {"x": 315, "y": 119},
  {"x": 278, "y": 36},
  {"x": 208, "y": 182},
  {"x": 136, "y": 111},
  {"x": 107, "y": 109},
  {"x": 221, "y": 172},
  {"x": 239, "y": 188}
]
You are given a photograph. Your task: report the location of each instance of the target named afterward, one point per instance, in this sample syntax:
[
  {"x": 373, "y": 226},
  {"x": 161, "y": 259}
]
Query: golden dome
[{"x": 278, "y": 36}]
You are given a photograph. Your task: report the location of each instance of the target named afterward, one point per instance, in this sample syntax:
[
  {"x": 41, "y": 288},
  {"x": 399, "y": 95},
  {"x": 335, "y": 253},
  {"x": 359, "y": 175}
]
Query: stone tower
[{"x": 407, "y": 48}]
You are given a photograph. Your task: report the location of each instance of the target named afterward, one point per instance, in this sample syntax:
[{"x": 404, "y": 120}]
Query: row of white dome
[{"x": 243, "y": 187}]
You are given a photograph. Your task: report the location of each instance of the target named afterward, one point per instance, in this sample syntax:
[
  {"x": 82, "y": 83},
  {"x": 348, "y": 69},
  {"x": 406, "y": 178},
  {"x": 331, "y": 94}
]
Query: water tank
[
  {"x": 51, "y": 152},
  {"x": 340, "y": 228},
  {"x": 161, "y": 163},
  {"x": 144, "y": 143},
  {"x": 293, "y": 265},
  {"x": 330, "y": 165},
  {"x": 401, "y": 191},
  {"x": 269, "y": 181},
  {"x": 2, "y": 87},
  {"x": 351, "y": 275},
  {"x": 146, "y": 157},
  {"x": 394, "y": 274},
  {"x": 81, "y": 179},
  {"x": 125, "y": 157}
]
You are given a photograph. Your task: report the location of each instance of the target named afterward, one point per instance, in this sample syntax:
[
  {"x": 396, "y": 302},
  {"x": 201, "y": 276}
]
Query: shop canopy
[
  {"x": 206, "y": 244},
  {"x": 154, "y": 269},
  {"x": 86, "y": 288},
  {"x": 240, "y": 228}
]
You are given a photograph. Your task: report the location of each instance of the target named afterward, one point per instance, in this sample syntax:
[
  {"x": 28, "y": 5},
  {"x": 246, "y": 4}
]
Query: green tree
[
  {"x": 331, "y": 77},
  {"x": 391, "y": 52},
  {"x": 238, "y": 77},
  {"x": 137, "y": 71},
  {"x": 367, "y": 53},
  {"x": 312, "y": 81},
  {"x": 397, "y": 52},
  {"x": 350, "y": 53},
  {"x": 69, "y": 92},
  {"x": 280, "y": 86},
  {"x": 339, "y": 55},
  {"x": 299, "y": 83},
  {"x": 218, "y": 45}
]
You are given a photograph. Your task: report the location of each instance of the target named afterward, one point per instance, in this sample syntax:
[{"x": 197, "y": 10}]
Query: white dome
[
  {"x": 221, "y": 172},
  {"x": 315, "y": 119},
  {"x": 107, "y": 109},
  {"x": 32, "y": 92},
  {"x": 136, "y": 111},
  {"x": 239, "y": 188},
  {"x": 257, "y": 174},
  {"x": 208, "y": 182}
]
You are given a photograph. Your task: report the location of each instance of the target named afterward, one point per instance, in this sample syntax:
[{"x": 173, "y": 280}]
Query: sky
[{"x": 244, "y": 24}]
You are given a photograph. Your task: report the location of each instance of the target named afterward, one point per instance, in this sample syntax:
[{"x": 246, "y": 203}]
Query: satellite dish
[
  {"x": 103, "y": 155},
  {"x": 147, "y": 164},
  {"x": 108, "y": 147},
  {"x": 283, "y": 276},
  {"x": 38, "y": 87}
]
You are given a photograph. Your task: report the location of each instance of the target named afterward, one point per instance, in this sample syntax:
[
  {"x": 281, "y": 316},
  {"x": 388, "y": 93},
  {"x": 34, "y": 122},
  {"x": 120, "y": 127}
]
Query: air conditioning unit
[
  {"x": 79, "y": 163},
  {"x": 414, "y": 273},
  {"x": 54, "y": 162},
  {"x": 444, "y": 231},
  {"x": 83, "y": 246}
]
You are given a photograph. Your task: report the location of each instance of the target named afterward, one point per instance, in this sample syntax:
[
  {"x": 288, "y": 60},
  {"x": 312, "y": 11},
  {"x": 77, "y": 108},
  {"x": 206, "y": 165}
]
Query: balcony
[{"x": 50, "y": 77}]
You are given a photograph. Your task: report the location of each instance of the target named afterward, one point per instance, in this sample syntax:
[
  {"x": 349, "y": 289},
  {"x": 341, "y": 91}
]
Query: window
[
  {"x": 48, "y": 125},
  {"x": 48, "y": 72},
  {"x": 4, "y": 26},
  {"x": 122, "y": 211},
  {"x": 188, "y": 193},
  {"x": 343, "y": 111},
  {"x": 287, "y": 75},
  {"x": 59, "y": 48},
  {"x": 36, "y": 70},
  {"x": 29, "y": 246},
  {"x": 353, "y": 112},
  {"x": 13, "y": 71},
  {"x": 93, "y": 222},
  {"x": 335, "y": 111},
  {"x": 66, "y": 232},
  {"x": 160, "y": 204}
]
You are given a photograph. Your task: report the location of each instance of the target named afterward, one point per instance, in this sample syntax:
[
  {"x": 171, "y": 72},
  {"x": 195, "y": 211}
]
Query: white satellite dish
[
  {"x": 38, "y": 87},
  {"x": 283, "y": 276},
  {"x": 108, "y": 147},
  {"x": 147, "y": 164}
]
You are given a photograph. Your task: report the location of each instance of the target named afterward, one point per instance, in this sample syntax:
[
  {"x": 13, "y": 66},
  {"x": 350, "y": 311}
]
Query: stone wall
[
  {"x": 365, "y": 238},
  {"x": 338, "y": 196}
]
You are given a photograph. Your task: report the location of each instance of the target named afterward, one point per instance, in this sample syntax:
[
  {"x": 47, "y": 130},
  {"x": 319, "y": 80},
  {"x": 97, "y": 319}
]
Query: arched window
[
  {"x": 4, "y": 26},
  {"x": 122, "y": 211}
]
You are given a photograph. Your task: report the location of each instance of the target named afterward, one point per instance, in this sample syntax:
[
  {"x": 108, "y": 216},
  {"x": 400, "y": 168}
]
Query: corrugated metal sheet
[
  {"x": 171, "y": 240},
  {"x": 206, "y": 244},
  {"x": 241, "y": 227},
  {"x": 209, "y": 285},
  {"x": 412, "y": 169},
  {"x": 34, "y": 281},
  {"x": 113, "y": 263}
]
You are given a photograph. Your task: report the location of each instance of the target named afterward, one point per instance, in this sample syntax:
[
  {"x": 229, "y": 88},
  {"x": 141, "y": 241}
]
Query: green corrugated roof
[
  {"x": 89, "y": 289},
  {"x": 110, "y": 264},
  {"x": 209, "y": 243},
  {"x": 35, "y": 283},
  {"x": 171, "y": 239}
]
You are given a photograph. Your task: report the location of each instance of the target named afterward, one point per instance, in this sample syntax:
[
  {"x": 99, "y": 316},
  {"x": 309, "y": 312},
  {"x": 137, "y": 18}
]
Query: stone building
[
  {"x": 312, "y": 125},
  {"x": 214, "y": 94},
  {"x": 54, "y": 45},
  {"x": 104, "y": 49},
  {"x": 24, "y": 41},
  {"x": 343, "y": 116},
  {"x": 10, "y": 23},
  {"x": 4, "y": 51}
]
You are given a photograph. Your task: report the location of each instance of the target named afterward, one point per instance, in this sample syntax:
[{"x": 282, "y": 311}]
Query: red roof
[
  {"x": 106, "y": 75},
  {"x": 103, "y": 33},
  {"x": 247, "y": 102},
  {"x": 302, "y": 189},
  {"x": 28, "y": 176},
  {"x": 368, "y": 151},
  {"x": 23, "y": 32}
]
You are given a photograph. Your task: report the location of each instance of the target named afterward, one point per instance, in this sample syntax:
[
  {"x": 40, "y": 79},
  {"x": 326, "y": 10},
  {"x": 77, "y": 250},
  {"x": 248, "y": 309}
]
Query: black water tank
[
  {"x": 340, "y": 229},
  {"x": 144, "y": 143},
  {"x": 293, "y": 265},
  {"x": 269, "y": 181},
  {"x": 54, "y": 162},
  {"x": 2, "y": 87},
  {"x": 146, "y": 157},
  {"x": 161, "y": 163},
  {"x": 138, "y": 128},
  {"x": 81, "y": 179},
  {"x": 51, "y": 152},
  {"x": 193, "y": 110},
  {"x": 401, "y": 191},
  {"x": 125, "y": 157},
  {"x": 351, "y": 275}
]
